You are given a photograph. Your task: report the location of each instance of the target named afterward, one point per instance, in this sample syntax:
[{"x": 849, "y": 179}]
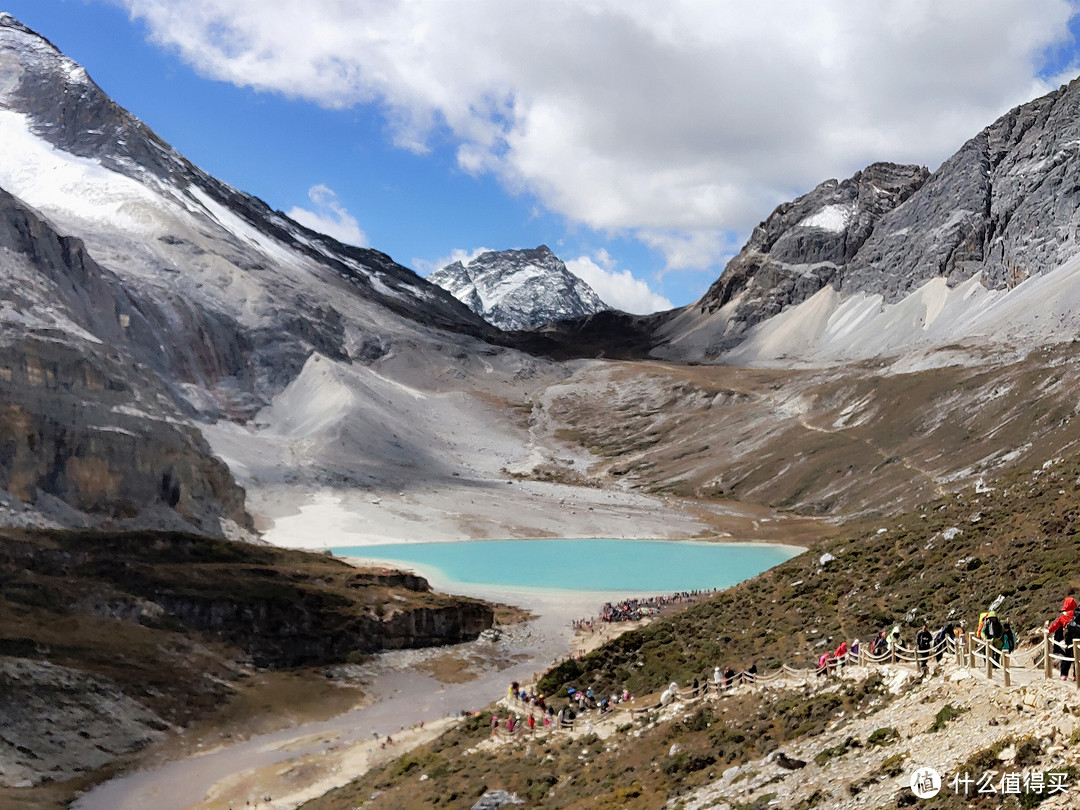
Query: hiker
[
  {"x": 1008, "y": 637},
  {"x": 494, "y": 725},
  {"x": 694, "y": 693},
  {"x": 1072, "y": 633},
  {"x": 729, "y": 675},
  {"x": 941, "y": 639},
  {"x": 880, "y": 645},
  {"x": 893, "y": 642},
  {"x": 532, "y": 724},
  {"x": 841, "y": 653},
  {"x": 1068, "y": 610},
  {"x": 823, "y": 664},
  {"x": 923, "y": 641},
  {"x": 717, "y": 677},
  {"x": 991, "y": 631}
]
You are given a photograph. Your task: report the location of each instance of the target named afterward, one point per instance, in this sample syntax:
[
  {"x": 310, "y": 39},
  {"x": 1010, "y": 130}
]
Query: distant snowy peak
[{"x": 519, "y": 289}]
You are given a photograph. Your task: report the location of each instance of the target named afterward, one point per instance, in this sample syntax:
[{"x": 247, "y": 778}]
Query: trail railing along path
[{"x": 1006, "y": 669}]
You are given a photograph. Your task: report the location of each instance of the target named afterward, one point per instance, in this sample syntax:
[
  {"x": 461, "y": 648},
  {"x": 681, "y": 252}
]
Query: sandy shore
[
  {"x": 286, "y": 785},
  {"x": 585, "y": 641},
  {"x": 488, "y": 509},
  {"x": 337, "y": 758}
]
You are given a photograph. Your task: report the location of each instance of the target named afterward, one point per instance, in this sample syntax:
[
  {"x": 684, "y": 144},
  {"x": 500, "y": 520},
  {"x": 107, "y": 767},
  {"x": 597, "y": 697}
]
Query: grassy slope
[
  {"x": 1018, "y": 540},
  {"x": 842, "y": 441},
  {"x": 630, "y": 771}
]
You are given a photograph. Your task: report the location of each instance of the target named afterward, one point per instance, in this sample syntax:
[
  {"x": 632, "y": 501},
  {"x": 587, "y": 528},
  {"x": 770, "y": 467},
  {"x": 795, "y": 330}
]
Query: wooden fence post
[
  {"x": 958, "y": 648},
  {"x": 989, "y": 661},
  {"x": 1005, "y": 669},
  {"x": 1076, "y": 660},
  {"x": 1048, "y": 662}
]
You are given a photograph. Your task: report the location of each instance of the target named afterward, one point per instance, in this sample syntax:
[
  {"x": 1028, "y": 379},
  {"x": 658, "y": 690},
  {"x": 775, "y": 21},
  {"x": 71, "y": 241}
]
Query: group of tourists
[
  {"x": 630, "y": 610},
  {"x": 928, "y": 645},
  {"x": 727, "y": 677},
  {"x": 996, "y": 631},
  {"x": 535, "y": 704}
]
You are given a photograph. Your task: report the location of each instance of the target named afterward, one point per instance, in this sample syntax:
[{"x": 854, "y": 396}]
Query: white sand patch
[
  {"x": 477, "y": 511},
  {"x": 829, "y": 327}
]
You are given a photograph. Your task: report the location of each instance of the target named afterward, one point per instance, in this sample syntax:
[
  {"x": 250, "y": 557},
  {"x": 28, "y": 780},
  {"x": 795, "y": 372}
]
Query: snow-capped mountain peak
[
  {"x": 141, "y": 297},
  {"x": 519, "y": 289}
]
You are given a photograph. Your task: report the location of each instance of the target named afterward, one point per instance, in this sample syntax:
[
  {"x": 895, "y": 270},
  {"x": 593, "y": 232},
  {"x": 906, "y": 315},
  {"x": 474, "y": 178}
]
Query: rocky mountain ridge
[
  {"x": 140, "y": 296},
  {"x": 519, "y": 289},
  {"x": 805, "y": 244},
  {"x": 999, "y": 212}
]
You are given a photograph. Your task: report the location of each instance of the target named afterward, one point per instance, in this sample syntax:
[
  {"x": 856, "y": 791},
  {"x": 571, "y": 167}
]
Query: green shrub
[
  {"x": 883, "y": 736},
  {"x": 948, "y": 713}
]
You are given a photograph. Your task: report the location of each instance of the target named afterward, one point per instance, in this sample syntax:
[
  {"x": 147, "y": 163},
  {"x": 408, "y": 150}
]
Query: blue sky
[{"x": 641, "y": 142}]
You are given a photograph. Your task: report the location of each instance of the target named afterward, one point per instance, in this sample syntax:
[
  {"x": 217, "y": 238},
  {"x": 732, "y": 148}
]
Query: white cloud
[
  {"x": 682, "y": 119},
  {"x": 617, "y": 288},
  {"x": 690, "y": 250},
  {"x": 329, "y": 217}
]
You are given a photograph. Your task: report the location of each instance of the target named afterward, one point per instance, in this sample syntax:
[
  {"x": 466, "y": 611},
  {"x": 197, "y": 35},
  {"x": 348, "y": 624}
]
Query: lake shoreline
[{"x": 574, "y": 570}]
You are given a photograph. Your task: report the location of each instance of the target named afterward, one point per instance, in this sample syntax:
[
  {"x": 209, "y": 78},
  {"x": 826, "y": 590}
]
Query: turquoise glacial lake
[{"x": 626, "y": 566}]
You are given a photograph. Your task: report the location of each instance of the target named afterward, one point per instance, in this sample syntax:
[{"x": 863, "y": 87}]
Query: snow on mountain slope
[
  {"x": 141, "y": 297},
  {"x": 149, "y": 309},
  {"x": 519, "y": 289},
  {"x": 199, "y": 249}
]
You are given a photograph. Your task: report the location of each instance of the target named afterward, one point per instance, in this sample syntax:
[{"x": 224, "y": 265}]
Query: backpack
[
  {"x": 1008, "y": 642},
  {"x": 1072, "y": 629},
  {"x": 992, "y": 628}
]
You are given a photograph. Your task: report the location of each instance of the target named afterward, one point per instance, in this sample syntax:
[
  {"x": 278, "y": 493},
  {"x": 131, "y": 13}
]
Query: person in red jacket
[
  {"x": 1056, "y": 629},
  {"x": 841, "y": 653},
  {"x": 1068, "y": 610}
]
